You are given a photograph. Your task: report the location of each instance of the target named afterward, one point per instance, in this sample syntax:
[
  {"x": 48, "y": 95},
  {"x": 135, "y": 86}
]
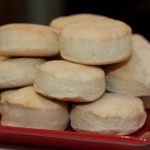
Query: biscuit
[
  {"x": 28, "y": 40},
  {"x": 67, "y": 81},
  {"x": 131, "y": 77},
  {"x": 5, "y": 94},
  {"x": 25, "y": 108},
  {"x": 2, "y": 58},
  {"x": 96, "y": 43},
  {"x": 18, "y": 72},
  {"x": 59, "y": 23},
  {"x": 111, "y": 114}
]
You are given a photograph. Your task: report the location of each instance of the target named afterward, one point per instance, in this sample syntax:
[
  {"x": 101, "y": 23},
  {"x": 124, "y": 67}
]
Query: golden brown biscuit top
[
  {"x": 28, "y": 28},
  {"x": 114, "y": 105},
  {"x": 60, "y": 22},
  {"x": 71, "y": 71},
  {"x": 103, "y": 30},
  {"x": 27, "y": 97}
]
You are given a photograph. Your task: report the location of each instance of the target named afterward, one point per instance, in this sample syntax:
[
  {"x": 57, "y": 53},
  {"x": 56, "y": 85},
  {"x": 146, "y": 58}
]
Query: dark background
[{"x": 136, "y": 13}]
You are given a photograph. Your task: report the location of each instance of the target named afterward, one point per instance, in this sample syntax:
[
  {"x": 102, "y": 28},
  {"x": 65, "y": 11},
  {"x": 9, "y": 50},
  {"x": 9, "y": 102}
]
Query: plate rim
[{"x": 94, "y": 137}]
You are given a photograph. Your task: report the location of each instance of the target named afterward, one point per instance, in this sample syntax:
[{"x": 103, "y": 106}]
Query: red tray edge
[{"x": 74, "y": 135}]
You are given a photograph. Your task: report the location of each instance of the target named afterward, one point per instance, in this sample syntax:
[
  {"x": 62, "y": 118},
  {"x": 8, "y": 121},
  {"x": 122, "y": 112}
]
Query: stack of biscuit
[
  {"x": 36, "y": 91},
  {"x": 26, "y": 45}
]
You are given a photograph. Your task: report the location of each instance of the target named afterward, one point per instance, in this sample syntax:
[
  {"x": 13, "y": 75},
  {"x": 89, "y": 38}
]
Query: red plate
[{"x": 77, "y": 140}]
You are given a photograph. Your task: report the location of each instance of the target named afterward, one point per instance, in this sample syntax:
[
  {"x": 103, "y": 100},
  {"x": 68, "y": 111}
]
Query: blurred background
[{"x": 136, "y": 13}]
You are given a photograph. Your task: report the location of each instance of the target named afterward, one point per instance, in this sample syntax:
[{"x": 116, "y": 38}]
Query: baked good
[
  {"x": 18, "y": 72},
  {"x": 131, "y": 77},
  {"x": 25, "y": 108},
  {"x": 96, "y": 43},
  {"x": 3, "y": 58},
  {"x": 111, "y": 114},
  {"x": 5, "y": 94},
  {"x": 67, "y": 81},
  {"x": 59, "y": 23},
  {"x": 28, "y": 40}
]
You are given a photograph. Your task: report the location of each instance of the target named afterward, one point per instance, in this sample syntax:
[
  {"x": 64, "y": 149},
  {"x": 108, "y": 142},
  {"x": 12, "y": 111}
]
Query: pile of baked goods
[{"x": 43, "y": 68}]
